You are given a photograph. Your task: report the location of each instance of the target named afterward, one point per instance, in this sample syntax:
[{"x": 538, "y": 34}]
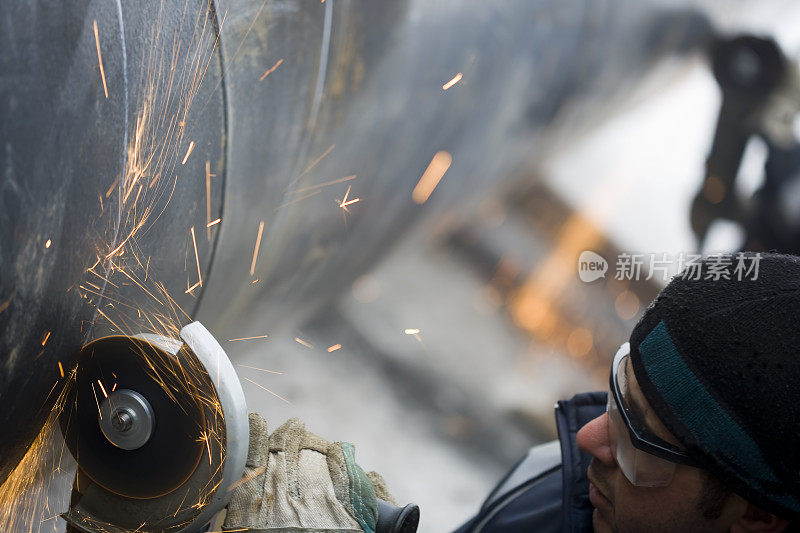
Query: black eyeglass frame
[{"x": 643, "y": 439}]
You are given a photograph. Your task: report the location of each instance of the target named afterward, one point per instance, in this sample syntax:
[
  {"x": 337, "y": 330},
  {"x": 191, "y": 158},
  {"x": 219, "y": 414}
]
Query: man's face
[{"x": 621, "y": 507}]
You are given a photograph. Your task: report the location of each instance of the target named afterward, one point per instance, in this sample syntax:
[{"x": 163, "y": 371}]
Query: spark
[
  {"x": 112, "y": 187},
  {"x": 415, "y": 333},
  {"x": 249, "y": 338},
  {"x": 60, "y": 369},
  {"x": 456, "y": 79},
  {"x": 325, "y": 184},
  {"x": 46, "y": 336},
  {"x": 312, "y": 165},
  {"x": 208, "y": 446},
  {"x": 271, "y": 70},
  {"x": 94, "y": 265},
  {"x": 244, "y": 479},
  {"x": 102, "y": 388},
  {"x": 173, "y": 303},
  {"x": 254, "y": 281},
  {"x": 100, "y": 311},
  {"x": 51, "y": 391},
  {"x": 334, "y": 348},
  {"x": 266, "y": 389},
  {"x": 431, "y": 177},
  {"x": 141, "y": 286},
  {"x": 300, "y": 199},
  {"x": 255, "y": 250},
  {"x": 196, "y": 258},
  {"x": 181, "y": 504},
  {"x": 208, "y": 200},
  {"x": 345, "y": 202},
  {"x": 304, "y": 343},
  {"x": 188, "y": 151},
  {"x": 118, "y": 248},
  {"x": 114, "y": 387},
  {"x": 4, "y": 305},
  {"x": 99, "y": 412},
  {"x": 253, "y": 23},
  {"x": 193, "y": 287},
  {"x": 48, "y": 243},
  {"x": 100, "y": 58},
  {"x": 261, "y": 369},
  {"x": 213, "y": 223}
]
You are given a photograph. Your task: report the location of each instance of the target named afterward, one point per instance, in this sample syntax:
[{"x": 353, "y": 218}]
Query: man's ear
[{"x": 757, "y": 520}]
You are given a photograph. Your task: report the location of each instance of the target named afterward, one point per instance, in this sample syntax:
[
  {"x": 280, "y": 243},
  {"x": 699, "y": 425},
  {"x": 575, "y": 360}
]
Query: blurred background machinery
[{"x": 249, "y": 165}]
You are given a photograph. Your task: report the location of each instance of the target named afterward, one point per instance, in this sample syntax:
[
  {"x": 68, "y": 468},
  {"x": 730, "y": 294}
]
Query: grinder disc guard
[{"x": 185, "y": 409}]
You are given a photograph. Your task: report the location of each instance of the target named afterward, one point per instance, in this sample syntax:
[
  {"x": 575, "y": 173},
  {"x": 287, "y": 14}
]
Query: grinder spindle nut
[{"x": 126, "y": 419}]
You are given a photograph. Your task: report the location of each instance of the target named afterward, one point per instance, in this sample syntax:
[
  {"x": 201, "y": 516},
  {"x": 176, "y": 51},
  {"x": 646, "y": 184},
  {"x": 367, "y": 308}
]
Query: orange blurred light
[{"x": 580, "y": 342}]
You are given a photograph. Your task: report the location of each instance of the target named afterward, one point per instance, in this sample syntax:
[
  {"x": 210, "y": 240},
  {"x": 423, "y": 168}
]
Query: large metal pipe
[{"x": 128, "y": 128}]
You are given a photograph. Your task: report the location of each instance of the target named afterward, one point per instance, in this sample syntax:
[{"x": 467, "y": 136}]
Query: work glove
[{"x": 295, "y": 481}]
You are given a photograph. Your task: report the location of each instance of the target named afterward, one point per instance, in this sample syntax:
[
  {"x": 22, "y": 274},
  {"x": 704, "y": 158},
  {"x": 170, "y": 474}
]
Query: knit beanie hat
[{"x": 717, "y": 355}]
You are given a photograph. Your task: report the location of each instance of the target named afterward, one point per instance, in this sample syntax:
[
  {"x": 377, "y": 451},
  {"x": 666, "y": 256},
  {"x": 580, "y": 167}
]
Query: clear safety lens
[{"x": 641, "y": 468}]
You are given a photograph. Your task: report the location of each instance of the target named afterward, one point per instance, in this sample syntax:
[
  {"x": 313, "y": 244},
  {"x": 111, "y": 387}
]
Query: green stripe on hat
[{"x": 712, "y": 427}]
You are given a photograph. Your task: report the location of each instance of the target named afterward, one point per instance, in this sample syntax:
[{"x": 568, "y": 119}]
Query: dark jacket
[{"x": 547, "y": 490}]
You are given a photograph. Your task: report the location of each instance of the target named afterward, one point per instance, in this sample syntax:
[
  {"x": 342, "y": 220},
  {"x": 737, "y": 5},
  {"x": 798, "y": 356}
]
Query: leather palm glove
[{"x": 296, "y": 481}]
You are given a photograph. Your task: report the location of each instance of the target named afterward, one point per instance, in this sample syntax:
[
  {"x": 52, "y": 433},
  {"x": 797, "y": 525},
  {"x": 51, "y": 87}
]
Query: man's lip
[{"x": 598, "y": 499}]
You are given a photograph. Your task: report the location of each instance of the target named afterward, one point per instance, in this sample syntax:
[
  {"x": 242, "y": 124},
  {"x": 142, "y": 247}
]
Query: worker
[{"x": 699, "y": 430}]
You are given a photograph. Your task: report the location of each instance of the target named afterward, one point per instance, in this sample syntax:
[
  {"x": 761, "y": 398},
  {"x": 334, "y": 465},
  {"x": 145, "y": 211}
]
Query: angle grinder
[{"x": 159, "y": 429}]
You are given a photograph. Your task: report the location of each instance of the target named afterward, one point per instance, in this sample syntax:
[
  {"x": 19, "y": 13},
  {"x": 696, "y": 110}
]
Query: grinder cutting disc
[
  {"x": 116, "y": 366},
  {"x": 159, "y": 430}
]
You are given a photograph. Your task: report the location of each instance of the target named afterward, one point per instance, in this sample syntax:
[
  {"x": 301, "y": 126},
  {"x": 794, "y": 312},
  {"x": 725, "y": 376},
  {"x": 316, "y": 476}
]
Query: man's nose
[{"x": 593, "y": 439}]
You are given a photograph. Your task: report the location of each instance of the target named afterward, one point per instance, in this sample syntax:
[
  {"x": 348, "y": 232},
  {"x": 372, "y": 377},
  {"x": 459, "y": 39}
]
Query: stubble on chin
[
  {"x": 596, "y": 527},
  {"x": 600, "y": 524}
]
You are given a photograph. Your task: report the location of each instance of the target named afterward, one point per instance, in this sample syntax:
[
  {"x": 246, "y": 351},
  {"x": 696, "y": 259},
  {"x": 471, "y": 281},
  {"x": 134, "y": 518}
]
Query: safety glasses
[{"x": 645, "y": 459}]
